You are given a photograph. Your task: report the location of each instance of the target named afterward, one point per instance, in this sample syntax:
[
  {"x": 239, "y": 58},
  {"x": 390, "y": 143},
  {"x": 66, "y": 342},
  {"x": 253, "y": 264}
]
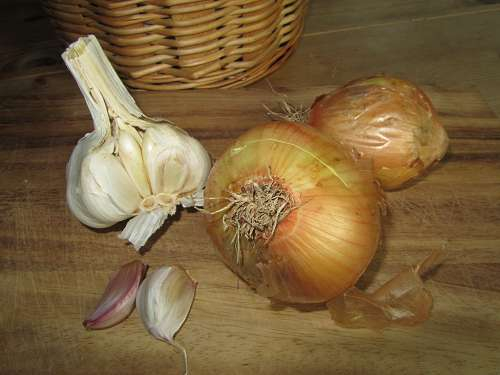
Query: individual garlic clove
[
  {"x": 176, "y": 163},
  {"x": 119, "y": 297},
  {"x": 74, "y": 194},
  {"x": 200, "y": 164},
  {"x": 162, "y": 145},
  {"x": 163, "y": 302},
  {"x": 129, "y": 150},
  {"x": 107, "y": 190}
]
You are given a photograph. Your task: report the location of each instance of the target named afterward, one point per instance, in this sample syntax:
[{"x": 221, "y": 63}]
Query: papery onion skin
[
  {"x": 386, "y": 120},
  {"x": 401, "y": 301},
  {"x": 324, "y": 245}
]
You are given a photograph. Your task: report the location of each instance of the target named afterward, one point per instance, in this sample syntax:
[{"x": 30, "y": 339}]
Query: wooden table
[{"x": 53, "y": 269}]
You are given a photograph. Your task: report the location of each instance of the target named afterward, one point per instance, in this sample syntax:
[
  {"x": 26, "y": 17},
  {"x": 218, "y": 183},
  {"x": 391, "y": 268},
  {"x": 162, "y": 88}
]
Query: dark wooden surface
[{"x": 53, "y": 269}]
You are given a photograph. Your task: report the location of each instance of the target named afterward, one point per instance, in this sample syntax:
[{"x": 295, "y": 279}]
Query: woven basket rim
[{"x": 182, "y": 44}]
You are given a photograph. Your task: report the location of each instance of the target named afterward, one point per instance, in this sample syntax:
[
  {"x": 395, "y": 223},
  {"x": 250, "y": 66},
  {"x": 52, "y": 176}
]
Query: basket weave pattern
[{"x": 180, "y": 44}]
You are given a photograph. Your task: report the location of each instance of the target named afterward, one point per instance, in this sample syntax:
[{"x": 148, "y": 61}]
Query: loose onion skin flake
[
  {"x": 292, "y": 213},
  {"x": 401, "y": 301},
  {"x": 386, "y": 120}
]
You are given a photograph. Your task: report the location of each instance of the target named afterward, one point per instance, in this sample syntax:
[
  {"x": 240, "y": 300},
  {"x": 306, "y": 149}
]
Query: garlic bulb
[
  {"x": 130, "y": 166},
  {"x": 163, "y": 302}
]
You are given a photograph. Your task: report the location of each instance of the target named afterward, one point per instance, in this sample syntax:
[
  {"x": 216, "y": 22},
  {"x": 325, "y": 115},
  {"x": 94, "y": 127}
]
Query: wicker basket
[{"x": 180, "y": 44}]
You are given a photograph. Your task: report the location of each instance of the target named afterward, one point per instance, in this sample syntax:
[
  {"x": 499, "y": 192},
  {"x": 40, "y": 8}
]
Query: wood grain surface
[{"x": 53, "y": 269}]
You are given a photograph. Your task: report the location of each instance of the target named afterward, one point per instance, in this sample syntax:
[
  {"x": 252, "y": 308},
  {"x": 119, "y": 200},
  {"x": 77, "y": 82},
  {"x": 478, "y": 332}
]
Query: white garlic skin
[
  {"x": 175, "y": 162},
  {"x": 130, "y": 152},
  {"x": 107, "y": 190}
]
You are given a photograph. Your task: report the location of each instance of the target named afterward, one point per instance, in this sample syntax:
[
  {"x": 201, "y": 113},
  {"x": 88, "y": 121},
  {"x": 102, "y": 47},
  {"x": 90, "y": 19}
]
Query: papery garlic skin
[
  {"x": 119, "y": 297},
  {"x": 131, "y": 166},
  {"x": 74, "y": 197}
]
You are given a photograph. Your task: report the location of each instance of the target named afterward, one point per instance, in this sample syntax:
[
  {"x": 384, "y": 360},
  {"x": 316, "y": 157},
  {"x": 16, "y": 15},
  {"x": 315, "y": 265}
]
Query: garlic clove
[
  {"x": 130, "y": 153},
  {"x": 119, "y": 296},
  {"x": 200, "y": 164},
  {"x": 163, "y": 147},
  {"x": 176, "y": 163},
  {"x": 107, "y": 189},
  {"x": 74, "y": 194},
  {"x": 163, "y": 302}
]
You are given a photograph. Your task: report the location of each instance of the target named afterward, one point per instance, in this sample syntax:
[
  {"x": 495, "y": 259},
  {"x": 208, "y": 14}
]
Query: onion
[
  {"x": 386, "y": 120},
  {"x": 292, "y": 213}
]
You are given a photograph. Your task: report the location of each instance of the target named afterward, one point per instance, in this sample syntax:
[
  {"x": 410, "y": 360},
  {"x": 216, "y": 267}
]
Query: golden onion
[
  {"x": 386, "y": 120},
  {"x": 292, "y": 214}
]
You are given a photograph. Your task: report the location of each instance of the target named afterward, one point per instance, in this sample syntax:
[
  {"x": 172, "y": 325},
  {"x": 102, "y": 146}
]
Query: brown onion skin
[
  {"x": 388, "y": 121},
  {"x": 323, "y": 246}
]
